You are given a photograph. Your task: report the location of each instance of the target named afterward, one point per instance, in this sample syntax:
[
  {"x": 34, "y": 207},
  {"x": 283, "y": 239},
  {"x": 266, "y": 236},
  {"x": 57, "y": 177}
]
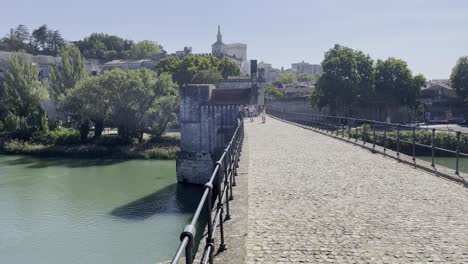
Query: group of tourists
[{"x": 251, "y": 111}]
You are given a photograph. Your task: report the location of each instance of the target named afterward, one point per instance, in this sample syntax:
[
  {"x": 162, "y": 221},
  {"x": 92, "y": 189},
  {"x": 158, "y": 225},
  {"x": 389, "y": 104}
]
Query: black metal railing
[
  {"x": 222, "y": 179},
  {"x": 411, "y": 139}
]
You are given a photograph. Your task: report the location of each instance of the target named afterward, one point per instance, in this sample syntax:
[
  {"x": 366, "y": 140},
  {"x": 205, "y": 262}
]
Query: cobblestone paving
[{"x": 315, "y": 199}]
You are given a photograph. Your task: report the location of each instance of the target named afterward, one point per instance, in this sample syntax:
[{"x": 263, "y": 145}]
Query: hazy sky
[{"x": 429, "y": 34}]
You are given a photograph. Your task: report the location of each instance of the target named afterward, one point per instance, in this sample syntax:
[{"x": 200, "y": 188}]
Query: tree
[
  {"x": 286, "y": 77},
  {"x": 39, "y": 38},
  {"x": 145, "y": 49},
  {"x": 275, "y": 92},
  {"x": 136, "y": 98},
  {"x": 395, "y": 85},
  {"x": 104, "y": 47},
  {"x": 184, "y": 71},
  {"x": 459, "y": 78},
  {"x": 72, "y": 71},
  {"x": 211, "y": 76},
  {"x": 227, "y": 68},
  {"x": 22, "y": 33},
  {"x": 22, "y": 89},
  {"x": 306, "y": 77},
  {"x": 346, "y": 81},
  {"x": 459, "y": 81},
  {"x": 88, "y": 101}
]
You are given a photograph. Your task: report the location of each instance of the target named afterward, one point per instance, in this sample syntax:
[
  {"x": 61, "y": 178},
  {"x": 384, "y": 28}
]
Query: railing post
[
  {"x": 385, "y": 140},
  {"x": 357, "y": 134},
  {"x": 209, "y": 238},
  {"x": 432, "y": 147},
  {"x": 398, "y": 142},
  {"x": 349, "y": 130},
  {"x": 414, "y": 144},
  {"x": 342, "y": 128},
  {"x": 226, "y": 185},
  {"x": 189, "y": 232},
  {"x": 337, "y": 127},
  {"x": 373, "y": 136},
  {"x": 458, "y": 153},
  {"x": 363, "y": 133},
  {"x": 230, "y": 172},
  {"x": 222, "y": 246}
]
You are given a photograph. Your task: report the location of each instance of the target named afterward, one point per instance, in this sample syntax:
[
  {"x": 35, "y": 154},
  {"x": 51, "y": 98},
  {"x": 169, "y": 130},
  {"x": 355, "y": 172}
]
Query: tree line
[
  {"x": 41, "y": 40},
  {"x": 46, "y": 41},
  {"x": 134, "y": 102},
  {"x": 352, "y": 80}
]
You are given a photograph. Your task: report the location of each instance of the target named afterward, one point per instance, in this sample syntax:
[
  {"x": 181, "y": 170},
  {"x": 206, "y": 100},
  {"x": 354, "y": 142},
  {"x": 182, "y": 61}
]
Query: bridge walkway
[{"x": 315, "y": 199}]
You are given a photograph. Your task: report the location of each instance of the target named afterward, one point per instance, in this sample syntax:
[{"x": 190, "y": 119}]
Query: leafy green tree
[
  {"x": 346, "y": 81},
  {"x": 133, "y": 98},
  {"x": 22, "y": 89},
  {"x": 145, "y": 49},
  {"x": 184, "y": 71},
  {"x": 306, "y": 77},
  {"x": 286, "y": 77},
  {"x": 395, "y": 85},
  {"x": 275, "y": 92},
  {"x": 88, "y": 101},
  {"x": 210, "y": 76},
  {"x": 103, "y": 46},
  {"x": 72, "y": 71},
  {"x": 226, "y": 67},
  {"x": 459, "y": 80},
  {"x": 39, "y": 38}
]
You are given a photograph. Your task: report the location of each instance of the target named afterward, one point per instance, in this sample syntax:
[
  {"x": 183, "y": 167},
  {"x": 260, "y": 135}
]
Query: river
[
  {"x": 91, "y": 211},
  {"x": 449, "y": 162}
]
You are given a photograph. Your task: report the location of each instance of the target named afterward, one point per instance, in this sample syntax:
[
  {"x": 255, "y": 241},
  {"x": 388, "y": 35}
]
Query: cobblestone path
[{"x": 315, "y": 199}]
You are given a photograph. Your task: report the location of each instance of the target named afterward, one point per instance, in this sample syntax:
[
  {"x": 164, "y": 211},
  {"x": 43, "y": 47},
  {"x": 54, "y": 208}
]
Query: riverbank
[{"x": 164, "y": 148}]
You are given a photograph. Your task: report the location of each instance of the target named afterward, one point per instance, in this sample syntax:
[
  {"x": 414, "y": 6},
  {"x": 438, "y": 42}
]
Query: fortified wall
[
  {"x": 206, "y": 128},
  {"x": 208, "y": 118}
]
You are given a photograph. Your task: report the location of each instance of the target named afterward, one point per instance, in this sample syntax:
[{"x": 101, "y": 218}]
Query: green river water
[
  {"x": 86, "y": 211},
  {"x": 449, "y": 162}
]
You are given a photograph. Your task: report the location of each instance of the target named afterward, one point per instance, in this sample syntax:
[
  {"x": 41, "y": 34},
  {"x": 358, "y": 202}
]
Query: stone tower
[{"x": 217, "y": 48}]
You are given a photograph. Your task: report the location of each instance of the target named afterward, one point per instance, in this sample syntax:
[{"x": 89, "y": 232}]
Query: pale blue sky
[{"x": 430, "y": 35}]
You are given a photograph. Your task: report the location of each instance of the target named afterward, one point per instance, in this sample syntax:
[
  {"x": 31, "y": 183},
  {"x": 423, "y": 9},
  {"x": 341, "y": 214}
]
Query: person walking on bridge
[
  {"x": 251, "y": 112},
  {"x": 263, "y": 114}
]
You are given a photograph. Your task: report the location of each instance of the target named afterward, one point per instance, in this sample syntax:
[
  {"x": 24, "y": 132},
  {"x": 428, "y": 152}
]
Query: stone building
[
  {"x": 305, "y": 67},
  {"x": 271, "y": 74},
  {"x": 440, "y": 102},
  {"x": 255, "y": 82},
  {"x": 237, "y": 52}
]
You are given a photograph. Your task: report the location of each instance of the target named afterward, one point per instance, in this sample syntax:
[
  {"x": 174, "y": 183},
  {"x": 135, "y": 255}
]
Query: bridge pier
[{"x": 206, "y": 129}]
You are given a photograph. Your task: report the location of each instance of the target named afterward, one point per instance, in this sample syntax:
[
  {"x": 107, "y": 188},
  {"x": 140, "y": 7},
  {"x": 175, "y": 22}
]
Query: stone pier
[{"x": 206, "y": 128}]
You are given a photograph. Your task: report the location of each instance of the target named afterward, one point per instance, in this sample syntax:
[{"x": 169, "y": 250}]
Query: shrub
[{"x": 62, "y": 136}]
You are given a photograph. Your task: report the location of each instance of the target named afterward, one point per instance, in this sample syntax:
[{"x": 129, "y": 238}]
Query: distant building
[
  {"x": 305, "y": 67},
  {"x": 183, "y": 53},
  {"x": 271, "y": 74},
  {"x": 236, "y": 52},
  {"x": 440, "y": 102},
  {"x": 252, "y": 85}
]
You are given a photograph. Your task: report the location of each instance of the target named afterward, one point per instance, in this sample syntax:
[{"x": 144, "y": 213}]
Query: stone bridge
[{"x": 304, "y": 197}]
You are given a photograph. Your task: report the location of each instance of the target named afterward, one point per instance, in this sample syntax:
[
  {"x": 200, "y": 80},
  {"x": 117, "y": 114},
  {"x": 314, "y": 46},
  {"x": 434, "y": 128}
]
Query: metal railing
[
  {"x": 412, "y": 139},
  {"x": 224, "y": 173}
]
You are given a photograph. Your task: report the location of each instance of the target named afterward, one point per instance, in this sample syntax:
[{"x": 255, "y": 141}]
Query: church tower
[{"x": 217, "y": 48}]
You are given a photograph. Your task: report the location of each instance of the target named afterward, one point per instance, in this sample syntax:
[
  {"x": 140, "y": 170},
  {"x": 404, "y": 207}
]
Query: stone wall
[
  {"x": 205, "y": 131},
  {"x": 297, "y": 105}
]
